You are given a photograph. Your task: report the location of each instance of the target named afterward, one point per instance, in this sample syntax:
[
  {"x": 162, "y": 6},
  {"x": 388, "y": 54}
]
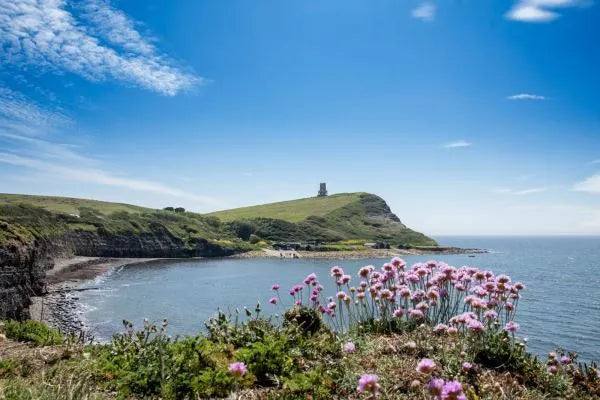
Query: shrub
[
  {"x": 32, "y": 331},
  {"x": 306, "y": 319}
]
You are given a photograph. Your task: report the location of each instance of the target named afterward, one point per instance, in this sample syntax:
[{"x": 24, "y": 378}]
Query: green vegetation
[
  {"x": 292, "y": 210},
  {"x": 350, "y": 219},
  {"x": 31, "y": 331},
  {"x": 345, "y": 219},
  {"x": 289, "y": 361}
]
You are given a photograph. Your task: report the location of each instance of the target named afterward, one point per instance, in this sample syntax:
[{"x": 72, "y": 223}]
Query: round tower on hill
[{"x": 322, "y": 190}]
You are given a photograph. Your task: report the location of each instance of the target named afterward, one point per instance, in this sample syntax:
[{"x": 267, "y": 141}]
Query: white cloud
[
  {"x": 17, "y": 112},
  {"x": 526, "y": 96},
  {"x": 77, "y": 173},
  {"x": 520, "y": 192},
  {"x": 589, "y": 185},
  {"x": 425, "y": 12},
  {"x": 457, "y": 144},
  {"x": 60, "y": 161},
  {"x": 115, "y": 26},
  {"x": 595, "y": 161},
  {"x": 47, "y": 34},
  {"x": 538, "y": 10}
]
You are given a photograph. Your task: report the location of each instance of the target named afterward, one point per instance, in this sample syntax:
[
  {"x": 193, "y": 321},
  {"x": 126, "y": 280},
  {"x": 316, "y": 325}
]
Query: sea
[{"x": 560, "y": 307}]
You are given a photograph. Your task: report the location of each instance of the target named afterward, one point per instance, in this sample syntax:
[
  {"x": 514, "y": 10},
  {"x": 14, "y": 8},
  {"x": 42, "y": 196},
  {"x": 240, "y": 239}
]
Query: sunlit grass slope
[{"x": 292, "y": 210}]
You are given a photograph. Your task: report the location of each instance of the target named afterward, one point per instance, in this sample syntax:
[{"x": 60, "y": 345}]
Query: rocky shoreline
[{"x": 58, "y": 306}]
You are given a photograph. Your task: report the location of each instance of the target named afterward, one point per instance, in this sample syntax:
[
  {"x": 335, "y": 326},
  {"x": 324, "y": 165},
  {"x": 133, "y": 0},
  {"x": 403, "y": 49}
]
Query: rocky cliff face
[
  {"x": 23, "y": 266},
  {"x": 22, "y": 272}
]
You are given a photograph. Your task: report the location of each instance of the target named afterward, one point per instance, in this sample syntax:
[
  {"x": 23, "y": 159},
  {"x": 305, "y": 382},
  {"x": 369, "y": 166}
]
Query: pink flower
[
  {"x": 426, "y": 366},
  {"x": 435, "y": 387},
  {"x": 452, "y": 330},
  {"x": 475, "y": 326},
  {"x": 511, "y": 326},
  {"x": 340, "y": 295},
  {"x": 275, "y": 286},
  {"x": 337, "y": 272},
  {"x": 565, "y": 360},
  {"x": 237, "y": 369},
  {"x": 490, "y": 314},
  {"x": 466, "y": 366},
  {"x": 349, "y": 347},
  {"x": 416, "y": 314},
  {"x": 452, "y": 390},
  {"x": 552, "y": 369},
  {"x": 368, "y": 383},
  {"x": 398, "y": 312},
  {"x": 273, "y": 300},
  {"x": 439, "y": 328}
]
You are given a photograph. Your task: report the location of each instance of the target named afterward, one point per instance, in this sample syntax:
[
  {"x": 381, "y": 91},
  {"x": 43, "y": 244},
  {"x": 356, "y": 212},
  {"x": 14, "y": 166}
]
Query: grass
[
  {"x": 69, "y": 205},
  {"x": 292, "y": 210}
]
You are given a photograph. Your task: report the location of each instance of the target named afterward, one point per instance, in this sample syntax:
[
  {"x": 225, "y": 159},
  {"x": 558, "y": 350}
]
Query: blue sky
[{"x": 468, "y": 117}]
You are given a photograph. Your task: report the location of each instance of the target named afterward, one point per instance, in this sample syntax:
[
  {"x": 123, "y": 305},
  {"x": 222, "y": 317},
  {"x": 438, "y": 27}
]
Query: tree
[
  {"x": 180, "y": 209},
  {"x": 169, "y": 209}
]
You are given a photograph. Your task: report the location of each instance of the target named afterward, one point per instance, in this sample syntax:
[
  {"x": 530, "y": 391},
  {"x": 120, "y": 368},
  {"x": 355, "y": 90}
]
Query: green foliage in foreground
[
  {"x": 295, "y": 361},
  {"x": 31, "y": 331}
]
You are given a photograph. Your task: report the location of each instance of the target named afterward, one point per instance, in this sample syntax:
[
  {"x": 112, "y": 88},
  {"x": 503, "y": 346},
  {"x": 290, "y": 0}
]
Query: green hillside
[
  {"x": 116, "y": 227},
  {"x": 336, "y": 218},
  {"x": 68, "y": 205},
  {"x": 292, "y": 210}
]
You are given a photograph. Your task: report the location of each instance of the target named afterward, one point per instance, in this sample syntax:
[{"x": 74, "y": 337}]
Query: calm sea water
[{"x": 560, "y": 307}]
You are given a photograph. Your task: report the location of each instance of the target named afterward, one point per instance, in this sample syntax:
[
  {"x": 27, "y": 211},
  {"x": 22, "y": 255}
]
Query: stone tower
[{"x": 322, "y": 190}]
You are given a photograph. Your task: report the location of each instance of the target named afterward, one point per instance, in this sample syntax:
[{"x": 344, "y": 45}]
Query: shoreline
[{"x": 58, "y": 306}]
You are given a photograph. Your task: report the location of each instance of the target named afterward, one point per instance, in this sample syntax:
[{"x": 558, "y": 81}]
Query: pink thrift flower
[
  {"x": 565, "y": 360},
  {"x": 552, "y": 369},
  {"x": 349, "y": 347},
  {"x": 452, "y": 390},
  {"x": 416, "y": 314},
  {"x": 466, "y": 366},
  {"x": 435, "y": 387},
  {"x": 452, "y": 330},
  {"x": 475, "y": 326},
  {"x": 511, "y": 327},
  {"x": 426, "y": 366},
  {"x": 273, "y": 300},
  {"x": 275, "y": 286},
  {"x": 368, "y": 383},
  {"x": 398, "y": 312},
  {"x": 237, "y": 369},
  {"x": 439, "y": 328}
]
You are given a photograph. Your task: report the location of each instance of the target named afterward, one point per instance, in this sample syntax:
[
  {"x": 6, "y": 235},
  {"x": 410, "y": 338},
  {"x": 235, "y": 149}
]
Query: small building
[{"x": 322, "y": 190}]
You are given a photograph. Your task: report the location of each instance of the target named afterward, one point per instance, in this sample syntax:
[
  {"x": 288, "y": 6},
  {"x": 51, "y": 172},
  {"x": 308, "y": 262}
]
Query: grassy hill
[
  {"x": 336, "y": 218},
  {"x": 68, "y": 205},
  {"x": 292, "y": 210}
]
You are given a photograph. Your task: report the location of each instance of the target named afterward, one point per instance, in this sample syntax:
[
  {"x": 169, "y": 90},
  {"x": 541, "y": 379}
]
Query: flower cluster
[
  {"x": 451, "y": 299},
  {"x": 445, "y": 390}
]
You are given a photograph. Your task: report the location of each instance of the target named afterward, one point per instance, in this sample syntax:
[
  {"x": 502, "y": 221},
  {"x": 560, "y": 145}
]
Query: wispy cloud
[
  {"x": 100, "y": 177},
  {"x": 61, "y": 161},
  {"x": 17, "y": 112},
  {"x": 457, "y": 144},
  {"x": 595, "y": 161},
  {"x": 526, "y": 96},
  {"x": 589, "y": 185},
  {"x": 520, "y": 192},
  {"x": 48, "y": 34},
  {"x": 425, "y": 12},
  {"x": 538, "y": 10}
]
